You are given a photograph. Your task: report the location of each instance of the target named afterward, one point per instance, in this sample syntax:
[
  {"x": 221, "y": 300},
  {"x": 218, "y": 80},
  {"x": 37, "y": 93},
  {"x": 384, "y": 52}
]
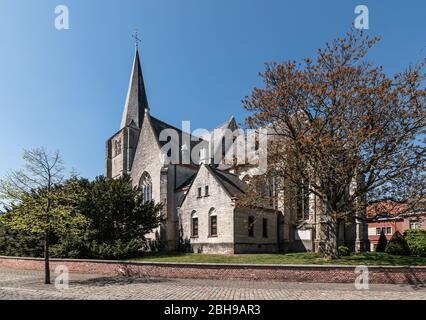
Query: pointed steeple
[{"x": 136, "y": 101}]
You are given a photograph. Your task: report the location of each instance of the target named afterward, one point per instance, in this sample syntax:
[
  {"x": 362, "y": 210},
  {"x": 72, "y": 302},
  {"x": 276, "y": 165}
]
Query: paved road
[{"x": 18, "y": 284}]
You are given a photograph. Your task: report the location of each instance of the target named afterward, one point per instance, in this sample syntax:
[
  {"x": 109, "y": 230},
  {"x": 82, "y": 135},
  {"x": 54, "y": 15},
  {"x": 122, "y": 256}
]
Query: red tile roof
[{"x": 389, "y": 207}]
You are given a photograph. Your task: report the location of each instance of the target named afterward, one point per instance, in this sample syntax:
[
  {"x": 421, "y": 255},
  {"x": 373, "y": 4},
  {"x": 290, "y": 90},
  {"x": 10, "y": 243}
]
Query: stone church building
[{"x": 200, "y": 199}]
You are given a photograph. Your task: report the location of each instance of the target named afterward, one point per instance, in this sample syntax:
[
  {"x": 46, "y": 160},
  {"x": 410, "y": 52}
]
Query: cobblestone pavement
[{"x": 24, "y": 285}]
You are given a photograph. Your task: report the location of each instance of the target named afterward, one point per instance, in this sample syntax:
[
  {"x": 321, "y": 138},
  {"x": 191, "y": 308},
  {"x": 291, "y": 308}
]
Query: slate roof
[
  {"x": 159, "y": 126},
  {"x": 186, "y": 183},
  {"x": 233, "y": 186},
  {"x": 136, "y": 100},
  {"x": 230, "y": 182}
]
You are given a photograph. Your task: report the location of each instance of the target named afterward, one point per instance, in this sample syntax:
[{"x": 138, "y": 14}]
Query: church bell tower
[{"x": 121, "y": 147}]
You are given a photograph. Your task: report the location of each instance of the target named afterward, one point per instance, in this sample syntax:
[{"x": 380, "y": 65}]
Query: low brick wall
[{"x": 290, "y": 273}]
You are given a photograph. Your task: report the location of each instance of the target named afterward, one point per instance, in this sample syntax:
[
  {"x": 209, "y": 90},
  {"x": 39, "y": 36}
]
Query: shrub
[
  {"x": 20, "y": 244},
  {"x": 343, "y": 251},
  {"x": 416, "y": 240},
  {"x": 72, "y": 247},
  {"x": 398, "y": 245},
  {"x": 382, "y": 243},
  {"x": 83, "y": 248},
  {"x": 117, "y": 250}
]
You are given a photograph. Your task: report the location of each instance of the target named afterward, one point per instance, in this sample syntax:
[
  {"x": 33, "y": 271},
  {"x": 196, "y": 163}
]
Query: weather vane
[{"x": 136, "y": 37}]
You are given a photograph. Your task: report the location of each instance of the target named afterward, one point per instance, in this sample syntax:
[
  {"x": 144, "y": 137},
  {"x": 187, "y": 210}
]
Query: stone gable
[{"x": 217, "y": 200}]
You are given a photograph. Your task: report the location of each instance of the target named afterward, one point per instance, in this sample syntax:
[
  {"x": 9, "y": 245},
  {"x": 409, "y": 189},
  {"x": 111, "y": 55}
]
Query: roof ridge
[
  {"x": 163, "y": 122},
  {"x": 173, "y": 127},
  {"x": 226, "y": 172},
  {"x": 222, "y": 176}
]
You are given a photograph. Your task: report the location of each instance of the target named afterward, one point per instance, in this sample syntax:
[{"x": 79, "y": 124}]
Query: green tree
[
  {"x": 416, "y": 239},
  {"x": 20, "y": 244},
  {"x": 382, "y": 243},
  {"x": 37, "y": 202},
  {"x": 117, "y": 210},
  {"x": 119, "y": 220},
  {"x": 398, "y": 245}
]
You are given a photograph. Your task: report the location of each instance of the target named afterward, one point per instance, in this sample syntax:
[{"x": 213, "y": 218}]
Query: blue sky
[{"x": 66, "y": 89}]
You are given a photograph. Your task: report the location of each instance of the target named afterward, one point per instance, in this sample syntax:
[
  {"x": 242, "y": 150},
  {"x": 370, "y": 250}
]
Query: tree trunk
[
  {"x": 329, "y": 238},
  {"x": 46, "y": 259},
  {"x": 328, "y": 232},
  {"x": 333, "y": 237}
]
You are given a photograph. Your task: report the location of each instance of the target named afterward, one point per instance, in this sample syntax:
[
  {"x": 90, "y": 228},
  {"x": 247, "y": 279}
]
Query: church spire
[{"x": 136, "y": 101}]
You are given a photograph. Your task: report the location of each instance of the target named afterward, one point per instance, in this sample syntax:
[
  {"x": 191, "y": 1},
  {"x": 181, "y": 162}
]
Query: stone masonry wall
[
  {"x": 147, "y": 159},
  {"x": 246, "y": 244},
  {"x": 218, "y": 200}
]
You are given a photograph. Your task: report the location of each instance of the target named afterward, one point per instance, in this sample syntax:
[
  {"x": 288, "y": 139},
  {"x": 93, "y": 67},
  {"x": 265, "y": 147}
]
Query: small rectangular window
[
  {"x": 206, "y": 191},
  {"x": 195, "y": 227},
  {"x": 414, "y": 225},
  {"x": 265, "y": 227},
  {"x": 251, "y": 226},
  {"x": 378, "y": 231},
  {"x": 388, "y": 230},
  {"x": 199, "y": 192},
  {"x": 213, "y": 226}
]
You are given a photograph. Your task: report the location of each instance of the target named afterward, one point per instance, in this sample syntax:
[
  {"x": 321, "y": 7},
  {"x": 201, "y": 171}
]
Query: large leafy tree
[
  {"x": 117, "y": 211},
  {"x": 36, "y": 201},
  {"x": 343, "y": 129},
  {"x": 119, "y": 220}
]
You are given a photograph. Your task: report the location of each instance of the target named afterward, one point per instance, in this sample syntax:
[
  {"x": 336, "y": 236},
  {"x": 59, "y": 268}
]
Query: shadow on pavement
[{"x": 109, "y": 281}]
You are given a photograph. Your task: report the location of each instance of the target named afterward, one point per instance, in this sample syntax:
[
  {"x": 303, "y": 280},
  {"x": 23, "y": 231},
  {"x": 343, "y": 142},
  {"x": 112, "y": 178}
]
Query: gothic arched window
[
  {"x": 212, "y": 223},
  {"x": 145, "y": 184},
  {"x": 194, "y": 224}
]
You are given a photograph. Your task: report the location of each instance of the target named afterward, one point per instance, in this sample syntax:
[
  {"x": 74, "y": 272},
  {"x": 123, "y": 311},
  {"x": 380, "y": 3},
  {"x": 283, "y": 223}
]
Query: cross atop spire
[{"x": 136, "y": 37}]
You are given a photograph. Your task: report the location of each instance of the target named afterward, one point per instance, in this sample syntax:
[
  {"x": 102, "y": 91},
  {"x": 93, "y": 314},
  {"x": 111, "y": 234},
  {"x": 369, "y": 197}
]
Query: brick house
[{"x": 392, "y": 217}]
